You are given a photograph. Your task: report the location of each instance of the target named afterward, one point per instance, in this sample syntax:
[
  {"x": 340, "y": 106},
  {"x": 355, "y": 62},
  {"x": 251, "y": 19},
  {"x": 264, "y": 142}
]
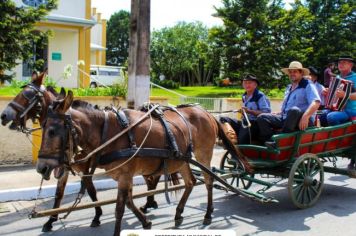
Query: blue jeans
[{"x": 335, "y": 117}]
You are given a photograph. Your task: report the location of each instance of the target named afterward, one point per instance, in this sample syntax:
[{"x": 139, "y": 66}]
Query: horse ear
[
  {"x": 62, "y": 94},
  {"x": 38, "y": 80},
  {"x": 65, "y": 103}
]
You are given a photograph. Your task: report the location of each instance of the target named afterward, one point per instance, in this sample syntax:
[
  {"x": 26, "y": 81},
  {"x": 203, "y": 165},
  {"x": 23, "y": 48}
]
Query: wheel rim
[
  {"x": 306, "y": 180},
  {"x": 227, "y": 165}
]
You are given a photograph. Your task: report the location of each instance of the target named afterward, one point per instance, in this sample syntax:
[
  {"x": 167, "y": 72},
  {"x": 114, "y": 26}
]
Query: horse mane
[{"x": 80, "y": 104}]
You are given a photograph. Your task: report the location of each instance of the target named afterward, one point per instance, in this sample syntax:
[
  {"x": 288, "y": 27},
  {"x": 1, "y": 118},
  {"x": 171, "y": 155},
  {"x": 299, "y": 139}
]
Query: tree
[
  {"x": 183, "y": 53},
  {"x": 247, "y": 38},
  {"x": 118, "y": 38},
  {"x": 17, "y": 27},
  {"x": 333, "y": 30}
]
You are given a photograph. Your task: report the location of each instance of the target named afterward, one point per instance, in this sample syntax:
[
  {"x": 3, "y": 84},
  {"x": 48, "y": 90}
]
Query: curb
[{"x": 25, "y": 194}]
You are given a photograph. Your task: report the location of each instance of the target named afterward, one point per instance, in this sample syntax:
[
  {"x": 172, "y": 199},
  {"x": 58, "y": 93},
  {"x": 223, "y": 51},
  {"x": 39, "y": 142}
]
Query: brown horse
[
  {"x": 32, "y": 103},
  {"x": 66, "y": 127}
]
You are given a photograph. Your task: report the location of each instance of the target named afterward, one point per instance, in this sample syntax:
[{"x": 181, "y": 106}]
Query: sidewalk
[{"x": 22, "y": 182}]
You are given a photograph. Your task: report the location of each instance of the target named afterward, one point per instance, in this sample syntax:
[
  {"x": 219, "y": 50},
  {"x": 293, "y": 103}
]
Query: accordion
[{"x": 332, "y": 101}]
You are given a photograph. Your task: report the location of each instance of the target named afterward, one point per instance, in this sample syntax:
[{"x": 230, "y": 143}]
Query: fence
[{"x": 210, "y": 104}]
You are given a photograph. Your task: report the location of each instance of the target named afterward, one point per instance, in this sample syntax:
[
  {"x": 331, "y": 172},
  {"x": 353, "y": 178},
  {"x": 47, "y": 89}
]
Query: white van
[{"x": 105, "y": 75}]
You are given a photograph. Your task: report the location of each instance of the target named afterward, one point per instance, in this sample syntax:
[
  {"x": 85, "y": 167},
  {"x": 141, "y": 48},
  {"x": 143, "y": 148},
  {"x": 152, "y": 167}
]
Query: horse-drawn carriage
[{"x": 298, "y": 156}]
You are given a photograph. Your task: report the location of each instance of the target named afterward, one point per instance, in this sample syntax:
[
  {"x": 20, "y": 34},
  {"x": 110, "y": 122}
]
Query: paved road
[{"x": 333, "y": 214}]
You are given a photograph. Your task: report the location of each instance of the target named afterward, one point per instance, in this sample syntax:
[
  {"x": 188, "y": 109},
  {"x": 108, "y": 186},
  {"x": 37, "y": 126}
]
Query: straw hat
[{"x": 295, "y": 65}]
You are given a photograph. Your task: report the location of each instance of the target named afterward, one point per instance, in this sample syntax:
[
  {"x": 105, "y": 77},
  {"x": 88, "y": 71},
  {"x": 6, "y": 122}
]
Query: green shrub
[
  {"x": 118, "y": 90},
  {"x": 49, "y": 81},
  {"x": 19, "y": 83}
]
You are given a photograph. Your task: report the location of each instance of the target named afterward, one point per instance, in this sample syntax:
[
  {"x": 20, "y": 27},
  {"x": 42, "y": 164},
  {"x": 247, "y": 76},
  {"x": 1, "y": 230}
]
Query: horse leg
[
  {"x": 210, "y": 208},
  {"x": 151, "y": 185},
  {"x": 122, "y": 194},
  {"x": 146, "y": 224},
  {"x": 201, "y": 156},
  {"x": 189, "y": 182},
  {"x": 88, "y": 183},
  {"x": 61, "y": 184},
  {"x": 57, "y": 201}
]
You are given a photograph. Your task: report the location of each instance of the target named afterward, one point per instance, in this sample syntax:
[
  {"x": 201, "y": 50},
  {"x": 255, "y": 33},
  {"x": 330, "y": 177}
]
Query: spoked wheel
[
  {"x": 228, "y": 164},
  {"x": 306, "y": 180}
]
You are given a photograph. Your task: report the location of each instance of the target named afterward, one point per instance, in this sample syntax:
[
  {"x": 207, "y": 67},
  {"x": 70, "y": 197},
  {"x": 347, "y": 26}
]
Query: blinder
[
  {"x": 68, "y": 136},
  {"x": 33, "y": 97}
]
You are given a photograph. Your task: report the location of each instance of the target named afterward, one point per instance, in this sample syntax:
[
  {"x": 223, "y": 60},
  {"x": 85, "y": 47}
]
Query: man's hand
[
  {"x": 246, "y": 110},
  {"x": 325, "y": 91},
  {"x": 304, "y": 122},
  {"x": 340, "y": 93}
]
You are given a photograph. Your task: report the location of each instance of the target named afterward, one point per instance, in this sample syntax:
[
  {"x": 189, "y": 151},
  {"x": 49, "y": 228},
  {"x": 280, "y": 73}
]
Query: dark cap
[
  {"x": 346, "y": 58},
  {"x": 252, "y": 77},
  {"x": 313, "y": 71}
]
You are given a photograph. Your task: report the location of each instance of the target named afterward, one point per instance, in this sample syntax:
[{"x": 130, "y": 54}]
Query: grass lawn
[
  {"x": 198, "y": 91},
  {"x": 9, "y": 91},
  {"x": 213, "y": 92}
]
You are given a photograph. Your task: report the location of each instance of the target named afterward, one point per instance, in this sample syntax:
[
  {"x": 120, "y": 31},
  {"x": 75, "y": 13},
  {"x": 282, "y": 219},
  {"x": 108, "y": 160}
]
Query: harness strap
[
  {"x": 172, "y": 143},
  {"x": 190, "y": 145},
  {"x": 17, "y": 106},
  {"x": 143, "y": 152},
  {"x": 124, "y": 122},
  {"x": 104, "y": 137}
]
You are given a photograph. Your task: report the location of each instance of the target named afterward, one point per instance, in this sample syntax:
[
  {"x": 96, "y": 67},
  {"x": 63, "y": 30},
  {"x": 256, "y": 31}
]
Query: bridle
[
  {"x": 68, "y": 137},
  {"x": 33, "y": 101}
]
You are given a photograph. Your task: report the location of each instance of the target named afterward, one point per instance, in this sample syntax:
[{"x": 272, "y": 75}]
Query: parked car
[{"x": 105, "y": 75}]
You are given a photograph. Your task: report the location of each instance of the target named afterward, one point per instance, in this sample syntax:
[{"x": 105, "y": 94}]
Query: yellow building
[{"x": 79, "y": 34}]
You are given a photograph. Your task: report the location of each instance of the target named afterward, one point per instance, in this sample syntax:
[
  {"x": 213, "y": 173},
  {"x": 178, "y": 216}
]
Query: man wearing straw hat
[
  {"x": 254, "y": 103},
  {"x": 301, "y": 101}
]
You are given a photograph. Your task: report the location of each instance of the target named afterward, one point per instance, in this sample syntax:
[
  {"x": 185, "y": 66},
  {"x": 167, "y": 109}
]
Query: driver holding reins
[{"x": 255, "y": 102}]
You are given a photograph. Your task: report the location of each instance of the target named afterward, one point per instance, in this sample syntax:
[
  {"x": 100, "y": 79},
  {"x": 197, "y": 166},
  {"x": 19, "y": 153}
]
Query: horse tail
[
  {"x": 234, "y": 151},
  {"x": 174, "y": 178}
]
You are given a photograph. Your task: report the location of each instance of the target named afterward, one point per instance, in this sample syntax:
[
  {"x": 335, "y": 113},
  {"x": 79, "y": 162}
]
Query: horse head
[
  {"x": 30, "y": 103},
  {"x": 57, "y": 139}
]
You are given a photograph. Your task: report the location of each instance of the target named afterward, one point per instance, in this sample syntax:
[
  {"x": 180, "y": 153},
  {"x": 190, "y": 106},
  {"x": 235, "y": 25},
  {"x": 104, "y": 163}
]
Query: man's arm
[{"x": 304, "y": 121}]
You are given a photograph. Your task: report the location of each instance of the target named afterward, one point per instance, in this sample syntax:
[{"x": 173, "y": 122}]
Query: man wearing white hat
[{"x": 301, "y": 101}]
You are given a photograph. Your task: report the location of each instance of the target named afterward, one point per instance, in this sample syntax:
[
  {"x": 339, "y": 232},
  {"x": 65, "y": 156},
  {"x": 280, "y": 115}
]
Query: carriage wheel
[
  {"x": 306, "y": 180},
  {"x": 228, "y": 164}
]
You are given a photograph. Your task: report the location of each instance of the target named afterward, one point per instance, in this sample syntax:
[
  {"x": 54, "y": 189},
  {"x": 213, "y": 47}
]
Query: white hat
[{"x": 295, "y": 65}]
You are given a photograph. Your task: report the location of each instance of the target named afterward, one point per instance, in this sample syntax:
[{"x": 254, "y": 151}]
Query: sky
[{"x": 167, "y": 13}]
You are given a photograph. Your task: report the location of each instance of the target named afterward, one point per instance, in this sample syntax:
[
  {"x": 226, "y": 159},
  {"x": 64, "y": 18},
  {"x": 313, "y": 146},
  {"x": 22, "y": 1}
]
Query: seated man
[
  {"x": 328, "y": 117},
  {"x": 300, "y": 103},
  {"x": 254, "y": 103},
  {"x": 345, "y": 64}
]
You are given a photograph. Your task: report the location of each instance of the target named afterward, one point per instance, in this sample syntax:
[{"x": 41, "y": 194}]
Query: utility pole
[{"x": 139, "y": 57}]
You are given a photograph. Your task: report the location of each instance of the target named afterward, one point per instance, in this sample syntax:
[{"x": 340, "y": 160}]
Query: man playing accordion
[
  {"x": 345, "y": 64},
  {"x": 330, "y": 117}
]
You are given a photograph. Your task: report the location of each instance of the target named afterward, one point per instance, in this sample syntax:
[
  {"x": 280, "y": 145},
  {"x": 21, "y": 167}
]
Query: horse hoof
[
  {"x": 148, "y": 225},
  {"x": 178, "y": 222},
  {"x": 207, "y": 221},
  {"x": 143, "y": 209},
  {"x": 154, "y": 205},
  {"x": 95, "y": 223},
  {"x": 47, "y": 228}
]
